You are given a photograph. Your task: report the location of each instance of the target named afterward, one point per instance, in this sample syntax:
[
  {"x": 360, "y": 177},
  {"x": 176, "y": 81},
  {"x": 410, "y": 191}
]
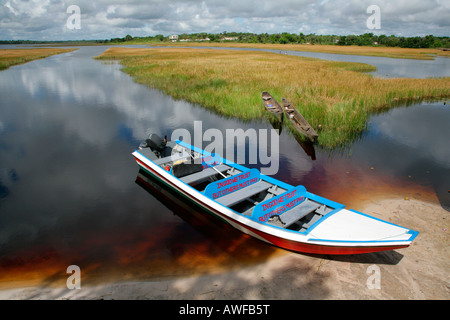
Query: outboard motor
[{"x": 155, "y": 143}]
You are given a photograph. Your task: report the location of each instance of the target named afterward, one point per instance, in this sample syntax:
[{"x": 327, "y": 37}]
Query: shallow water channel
[{"x": 68, "y": 190}]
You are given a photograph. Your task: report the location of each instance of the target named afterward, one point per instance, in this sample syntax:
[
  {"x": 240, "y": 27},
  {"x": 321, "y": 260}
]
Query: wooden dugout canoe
[{"x": 298, "y": 121}]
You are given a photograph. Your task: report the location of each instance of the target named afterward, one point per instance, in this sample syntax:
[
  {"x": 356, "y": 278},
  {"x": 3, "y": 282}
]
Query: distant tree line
[
  {"x": 66, "y": 42},
  {"x": 367, "y": 39},
  {"x": 19, "y": 42}
]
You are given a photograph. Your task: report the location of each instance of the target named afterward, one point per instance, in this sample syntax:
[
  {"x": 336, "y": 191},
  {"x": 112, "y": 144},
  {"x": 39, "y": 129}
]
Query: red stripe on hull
[
  {"x": 318, "y": 249},
  {"x": 324, "y": 249},
  {"x": 282, "y": 242}
]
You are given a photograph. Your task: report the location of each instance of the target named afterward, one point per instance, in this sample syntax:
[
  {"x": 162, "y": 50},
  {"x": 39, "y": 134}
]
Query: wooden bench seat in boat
[
  {"x": 289, "y": 217},
  {"x": 204, "y": 174},
  {"x": 235, "y": 197}
]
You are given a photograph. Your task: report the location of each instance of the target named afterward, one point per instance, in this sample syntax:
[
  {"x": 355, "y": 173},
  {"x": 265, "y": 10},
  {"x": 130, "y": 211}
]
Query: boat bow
[{"x": 352, "y": 226}]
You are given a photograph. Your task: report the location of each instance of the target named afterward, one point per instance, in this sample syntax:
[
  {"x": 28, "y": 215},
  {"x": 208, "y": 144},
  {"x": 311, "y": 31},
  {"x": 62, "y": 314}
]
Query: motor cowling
[{"x": 154, "y": 142}]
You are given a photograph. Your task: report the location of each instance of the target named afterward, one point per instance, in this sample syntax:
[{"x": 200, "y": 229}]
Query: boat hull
[
  {"x": 283, "y": 240},
  {"x": 271, "y": 104},
  {"x": 298, "y": 121}
]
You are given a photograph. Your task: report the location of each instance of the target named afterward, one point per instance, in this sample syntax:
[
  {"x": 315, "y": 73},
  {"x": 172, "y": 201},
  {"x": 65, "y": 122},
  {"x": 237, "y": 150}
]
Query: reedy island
[{"x": 333, "y": 96}]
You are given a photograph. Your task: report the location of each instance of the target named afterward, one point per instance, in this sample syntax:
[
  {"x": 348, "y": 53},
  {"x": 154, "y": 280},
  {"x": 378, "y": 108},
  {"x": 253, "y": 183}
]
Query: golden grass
[
  {"x": 329, "y": 94},
  {"x": 12, "y": 57},
  {"x": 389, "y": 52}
]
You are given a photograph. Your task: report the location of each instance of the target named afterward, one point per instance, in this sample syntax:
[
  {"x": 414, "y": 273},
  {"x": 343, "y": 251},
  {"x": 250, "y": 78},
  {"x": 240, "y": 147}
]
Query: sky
[{"x": 106, "y": 19}]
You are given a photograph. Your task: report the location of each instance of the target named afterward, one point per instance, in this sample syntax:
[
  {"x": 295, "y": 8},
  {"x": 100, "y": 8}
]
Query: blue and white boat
[{"x": 283, "y": 215}]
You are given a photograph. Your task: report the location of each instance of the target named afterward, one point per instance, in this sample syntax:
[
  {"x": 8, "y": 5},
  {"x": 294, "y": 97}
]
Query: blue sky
[{"x": 105, "y": 19}]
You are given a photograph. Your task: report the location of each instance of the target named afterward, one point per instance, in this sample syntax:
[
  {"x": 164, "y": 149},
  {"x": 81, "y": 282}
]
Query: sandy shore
[{"x": 418, "y": 272}]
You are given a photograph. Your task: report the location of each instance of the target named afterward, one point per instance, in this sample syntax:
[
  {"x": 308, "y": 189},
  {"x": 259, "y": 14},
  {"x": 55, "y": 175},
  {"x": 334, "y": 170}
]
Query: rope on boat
[
  {"x": 219, "y": 172},
  {"x": 211, "y": 167}
]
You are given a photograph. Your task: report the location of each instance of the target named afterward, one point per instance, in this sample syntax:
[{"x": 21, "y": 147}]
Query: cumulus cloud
[{"x": 104, "y": 19}]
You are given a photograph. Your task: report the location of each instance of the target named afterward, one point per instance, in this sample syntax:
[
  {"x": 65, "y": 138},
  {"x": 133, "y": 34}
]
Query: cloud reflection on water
[
  {"x": 69, "y": 125},
  {"x": 67, "y": 129}
]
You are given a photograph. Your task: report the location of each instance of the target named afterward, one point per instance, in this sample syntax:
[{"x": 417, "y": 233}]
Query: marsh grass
[
  {"x": 12, "y": 57},
  {"x": 377, "y": 51},
  {"x": 333, "y": 96}
]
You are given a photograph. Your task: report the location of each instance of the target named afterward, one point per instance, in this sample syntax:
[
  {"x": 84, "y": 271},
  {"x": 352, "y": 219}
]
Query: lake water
[
  {"x": 68, "y": 191},
  {"x": 389, "y": 67}
]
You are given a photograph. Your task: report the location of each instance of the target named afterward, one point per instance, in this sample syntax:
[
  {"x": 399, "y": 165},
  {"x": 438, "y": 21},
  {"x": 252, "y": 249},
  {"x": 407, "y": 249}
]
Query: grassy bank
[
  {"x": 12, "y": 57},
  {"x": 330, "y": 95}
]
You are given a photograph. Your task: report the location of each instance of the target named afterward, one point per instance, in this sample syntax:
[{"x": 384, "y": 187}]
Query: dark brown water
[{"x": 68, "y": 190}]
